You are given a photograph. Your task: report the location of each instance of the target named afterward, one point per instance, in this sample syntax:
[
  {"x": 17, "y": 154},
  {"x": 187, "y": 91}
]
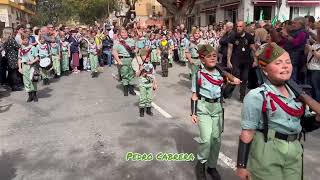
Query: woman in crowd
[{"x": 11, "y": 48}]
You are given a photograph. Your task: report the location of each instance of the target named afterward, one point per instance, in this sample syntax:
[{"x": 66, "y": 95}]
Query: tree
[
  {"x": 60, "y": 11},
  {"x": 179, "y": 9}
]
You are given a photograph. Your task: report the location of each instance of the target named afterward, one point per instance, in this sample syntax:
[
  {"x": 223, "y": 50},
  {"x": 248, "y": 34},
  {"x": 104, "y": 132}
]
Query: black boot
[
  {"x": 35, "y": 97},
  {"x": 141, "y": 112},
  {"x": 44, "y": 81},
  {"x": 125, "y": 90},
  {"x": 131, "y": 90},
  {"x": 201, "y": 171},
  {"x": 149, "y": 112},
  {"x": 30, "y": 96},
  {"x": 214, "y": 173}
]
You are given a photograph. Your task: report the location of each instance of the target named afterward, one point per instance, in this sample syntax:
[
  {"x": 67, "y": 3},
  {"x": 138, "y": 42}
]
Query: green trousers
[
  {"x": 45, "y": 73},
  {"x": 29, "y": 86},
  {"x": 93, "y": 62},
  {"x": 56, "y": 64},
  {"x": 127, "y": 73},
  {"x": 275, "y": 160},
  {"x": 145, "y": 98},
  {"x": 210, "y": 128},
  {"x": 65, "y": 62},
  {"x": 181, "y": 54}
]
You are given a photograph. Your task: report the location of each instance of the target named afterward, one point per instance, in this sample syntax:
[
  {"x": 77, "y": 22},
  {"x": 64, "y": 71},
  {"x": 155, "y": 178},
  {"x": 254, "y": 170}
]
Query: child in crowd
[
  {"x": 65, "y": 52},
  {"x": 28, "y": 59},
  {"x": 44, "y": 52},
  {"x": 55, "y": 56},
  {"x": 146, "y": 74},
  {"x": 93, "y": 57}
]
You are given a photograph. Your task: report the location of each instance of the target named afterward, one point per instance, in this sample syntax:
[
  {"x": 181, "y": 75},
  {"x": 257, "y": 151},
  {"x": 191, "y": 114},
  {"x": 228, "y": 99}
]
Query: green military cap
[
  {"x": 269, "y": 53},
  {"x": 205, "y": 49}
]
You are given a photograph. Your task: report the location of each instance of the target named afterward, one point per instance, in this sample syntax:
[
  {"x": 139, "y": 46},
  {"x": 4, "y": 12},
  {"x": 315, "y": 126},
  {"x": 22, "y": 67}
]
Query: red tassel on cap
[{"x": 267, "y": 55}]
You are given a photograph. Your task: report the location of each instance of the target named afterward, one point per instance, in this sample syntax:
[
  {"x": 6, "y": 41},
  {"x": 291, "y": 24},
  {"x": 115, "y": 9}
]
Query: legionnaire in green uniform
[
  {"x": 28, "y": 59},
  {"x": 192, "y": 52},
  {"x": 147, "y": 83},
  {"x": 65, "y": 52},
  {"x": 55, "y": 56},
  {"x": 93, "y": 57},
  {"x": 43, "y": 51},
  {"x": 155, "y": 59},
  {"x": 123, "y": 52},
  {"x": 141, "y": 41},
  {"x": 269, "y": 147},
  {"x": 207, "y": 111},
  {"x": 183, "y": 43},
  {"x": 84, "y": 48}
]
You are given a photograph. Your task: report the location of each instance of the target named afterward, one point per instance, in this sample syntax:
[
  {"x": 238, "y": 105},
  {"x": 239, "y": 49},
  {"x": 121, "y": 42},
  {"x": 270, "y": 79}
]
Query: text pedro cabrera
[{"x": 161, "y": 156}]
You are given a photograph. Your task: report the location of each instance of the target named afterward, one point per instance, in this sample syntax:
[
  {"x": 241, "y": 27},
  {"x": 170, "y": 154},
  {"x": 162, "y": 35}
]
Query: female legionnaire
[
  {"x": 147, "y": 81},
  {"x": 44, "y": 52},
  {"x": 192, "y": 52},
  {"x": 55, "y": 56},
  {"x": 141, "y": 41},
  {"x": 28, "y": 59},
  {"x": 269, "y": 148},
  {"x": 207, "y": 111},
  {"x": 93, "y": 57},
  {"x": 182, "y": 44},
  {"x": 123, "y": 52},
  {"x": 154, "y": 51},
  {"x": 65, "y": 52}
]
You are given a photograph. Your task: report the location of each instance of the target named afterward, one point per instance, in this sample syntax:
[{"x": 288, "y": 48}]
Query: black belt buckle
[
  {"x": 286, "y": 137},
  {"x": 212, "y": 100}
]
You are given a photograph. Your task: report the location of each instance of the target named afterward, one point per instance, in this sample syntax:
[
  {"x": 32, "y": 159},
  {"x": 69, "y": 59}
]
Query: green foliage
[{"x": 60, "y": 11}]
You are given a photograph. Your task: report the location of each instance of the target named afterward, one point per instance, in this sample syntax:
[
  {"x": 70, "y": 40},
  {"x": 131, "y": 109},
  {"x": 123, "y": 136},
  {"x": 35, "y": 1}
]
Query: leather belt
[
  {"x": 210, "y": 100},
  {"x": 124, "y": 57},
  {"x": 285, "y": 137},
  {"x": 195, "y": 57}
]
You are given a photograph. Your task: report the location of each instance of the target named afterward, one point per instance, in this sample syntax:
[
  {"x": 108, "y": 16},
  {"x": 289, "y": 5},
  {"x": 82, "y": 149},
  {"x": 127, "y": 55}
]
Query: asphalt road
[{"x": 83, "y": 128}]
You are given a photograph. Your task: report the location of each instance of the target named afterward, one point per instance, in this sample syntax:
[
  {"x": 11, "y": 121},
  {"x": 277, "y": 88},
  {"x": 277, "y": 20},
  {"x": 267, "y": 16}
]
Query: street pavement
[{"x": 83, "y": 128}]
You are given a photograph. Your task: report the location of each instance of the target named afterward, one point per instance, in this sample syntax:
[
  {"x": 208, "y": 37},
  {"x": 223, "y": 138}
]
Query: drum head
[{"x": 45, "y": 62}]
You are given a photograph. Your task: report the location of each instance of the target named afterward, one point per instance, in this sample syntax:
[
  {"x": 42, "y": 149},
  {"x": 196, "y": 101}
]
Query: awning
[
  {"x": 302, "y": 3},
  {"x": 208, "y": 9},
  {"x": 264, "y": 2},
  {"x": 230, "y": 4}
]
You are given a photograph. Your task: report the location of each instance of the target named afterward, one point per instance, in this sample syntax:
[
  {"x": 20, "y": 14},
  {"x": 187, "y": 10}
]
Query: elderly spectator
[
  {"x": 295, "y": 41},
  {"x": 224, "y": 42},
  {"x": 313, "y": 66},
  {"x": 11, "y": 48},
  {"x": 20, "y": 30}
]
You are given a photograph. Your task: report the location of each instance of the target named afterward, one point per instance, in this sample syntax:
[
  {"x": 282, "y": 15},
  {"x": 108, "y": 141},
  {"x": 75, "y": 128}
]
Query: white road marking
[
  {"x": 222, "y": 157},
  {"x": 158, "y": 108}
]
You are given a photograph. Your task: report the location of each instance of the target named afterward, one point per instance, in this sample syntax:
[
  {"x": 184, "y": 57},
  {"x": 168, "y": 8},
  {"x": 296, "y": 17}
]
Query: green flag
[
  {"x": 261, "y": 15},
  {"x": 248, "y": 22},
  {"x": 284, "y": 17},
  {"x": 274, "y": 20}
]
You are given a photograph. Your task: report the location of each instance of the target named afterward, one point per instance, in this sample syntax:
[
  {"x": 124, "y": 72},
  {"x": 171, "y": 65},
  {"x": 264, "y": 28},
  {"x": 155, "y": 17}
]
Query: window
[
  {"x": 211, "y": 19},
  {"x": 231, "y": 15},
  {"x": 301, "y": 11}
]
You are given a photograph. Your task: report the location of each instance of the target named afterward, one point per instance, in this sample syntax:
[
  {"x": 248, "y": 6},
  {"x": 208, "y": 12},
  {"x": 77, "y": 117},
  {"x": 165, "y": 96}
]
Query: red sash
[
  {"x": 44, "y": 47},
  {"x": 210, "y": 79},
  {"x": 291, "y": 111},
  {"x": 128, "y": 48},
  {"x": 25, "y": 51}
]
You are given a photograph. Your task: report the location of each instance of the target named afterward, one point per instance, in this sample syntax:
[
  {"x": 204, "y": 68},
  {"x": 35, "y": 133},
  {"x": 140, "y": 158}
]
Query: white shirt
[{"x": 314, "y": 62}]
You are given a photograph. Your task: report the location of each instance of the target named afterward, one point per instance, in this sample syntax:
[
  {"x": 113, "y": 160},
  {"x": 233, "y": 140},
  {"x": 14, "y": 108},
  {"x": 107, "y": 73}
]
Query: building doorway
[{"x": 266, "y": 10}]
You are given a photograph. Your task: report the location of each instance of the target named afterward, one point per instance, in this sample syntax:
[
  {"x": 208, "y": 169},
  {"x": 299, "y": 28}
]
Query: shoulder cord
[{"x": 265, "y": 117}]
